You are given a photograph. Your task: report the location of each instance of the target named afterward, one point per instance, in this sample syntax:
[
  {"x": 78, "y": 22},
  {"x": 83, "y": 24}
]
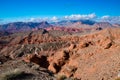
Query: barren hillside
[{"x": 89, "y": 56}]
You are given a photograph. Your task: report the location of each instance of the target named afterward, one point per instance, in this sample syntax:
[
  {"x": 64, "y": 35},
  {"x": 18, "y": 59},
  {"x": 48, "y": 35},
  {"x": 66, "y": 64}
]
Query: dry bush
[
  {"x": 10, "y": 75},
  {"x": 53, "y": 45},
  {"x": 61, "y": 77}
]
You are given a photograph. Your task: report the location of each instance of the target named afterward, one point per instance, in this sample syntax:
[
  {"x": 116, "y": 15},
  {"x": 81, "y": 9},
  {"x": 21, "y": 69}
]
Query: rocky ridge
[{"x": 89, "y": 56}]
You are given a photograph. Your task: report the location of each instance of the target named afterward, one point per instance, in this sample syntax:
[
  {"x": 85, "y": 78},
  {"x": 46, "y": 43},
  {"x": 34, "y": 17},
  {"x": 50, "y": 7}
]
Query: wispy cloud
[
  {"x": 32, "y": 19},
  {"x": 54, "y": 19},
  {"x": 92, "y": 16},
  {"x": 111, "y": 19},
  {"x": 79, "y": 16},
  {"x": 105, "y": 17}
]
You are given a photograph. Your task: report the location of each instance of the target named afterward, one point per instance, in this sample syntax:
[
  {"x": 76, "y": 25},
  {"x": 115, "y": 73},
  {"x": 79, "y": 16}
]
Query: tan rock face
[
  {"x": 72, "y": 46},
  {"x": 57, "y": 62},
  {"x": 53, "y": 67}
]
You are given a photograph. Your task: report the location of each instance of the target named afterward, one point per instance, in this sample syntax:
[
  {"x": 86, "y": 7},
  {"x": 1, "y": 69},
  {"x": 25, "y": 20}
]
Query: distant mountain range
[
  {"x": 26, "y": 26},
  {"x": 23, "y": 26}
]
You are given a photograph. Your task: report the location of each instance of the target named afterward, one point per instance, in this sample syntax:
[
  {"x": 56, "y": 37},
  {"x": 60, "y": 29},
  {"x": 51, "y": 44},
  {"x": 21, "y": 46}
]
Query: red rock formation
[{"x": 93, "y": 56}]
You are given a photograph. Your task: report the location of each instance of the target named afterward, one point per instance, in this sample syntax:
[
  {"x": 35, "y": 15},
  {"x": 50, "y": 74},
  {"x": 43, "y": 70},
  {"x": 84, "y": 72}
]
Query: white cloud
[
  {"x": 54, "y": 19},
  {"x": 45, "y": 19},
  {"x": 32, "y": 19},
  {"x": 92, "y": 16},
  {"x": 105, "y": 17},
  {"x": 79, "y": 16},
  {"x": 111, "y": 19}
]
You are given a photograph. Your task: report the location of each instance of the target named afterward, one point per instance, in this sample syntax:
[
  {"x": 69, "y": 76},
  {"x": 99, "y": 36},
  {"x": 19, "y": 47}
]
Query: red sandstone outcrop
[{"x": 93, "y": 56}]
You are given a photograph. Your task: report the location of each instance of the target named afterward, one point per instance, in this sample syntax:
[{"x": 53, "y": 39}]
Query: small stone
[{"x": 1, "y": 63}]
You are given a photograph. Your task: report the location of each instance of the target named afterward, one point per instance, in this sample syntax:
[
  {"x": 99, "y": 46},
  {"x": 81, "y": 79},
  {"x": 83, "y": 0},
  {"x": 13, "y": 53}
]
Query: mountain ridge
[{"x": 66, "y": 25}]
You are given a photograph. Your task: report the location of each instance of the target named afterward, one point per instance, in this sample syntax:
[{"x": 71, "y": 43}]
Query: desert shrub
[
  {"x": 53, "y": 45},
  {"x": 72, "y": 79},
  {"x": 61, "y": 77},
  {"x": 10, "y": 75}
]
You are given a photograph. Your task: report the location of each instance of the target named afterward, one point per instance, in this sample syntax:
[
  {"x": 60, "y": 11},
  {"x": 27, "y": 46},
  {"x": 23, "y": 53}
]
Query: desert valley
[{"x": 66, "y": 50}]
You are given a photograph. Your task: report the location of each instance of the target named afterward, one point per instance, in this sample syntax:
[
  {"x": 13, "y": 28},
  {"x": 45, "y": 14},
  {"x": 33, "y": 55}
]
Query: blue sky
[{"x": 47, "y": 8}]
